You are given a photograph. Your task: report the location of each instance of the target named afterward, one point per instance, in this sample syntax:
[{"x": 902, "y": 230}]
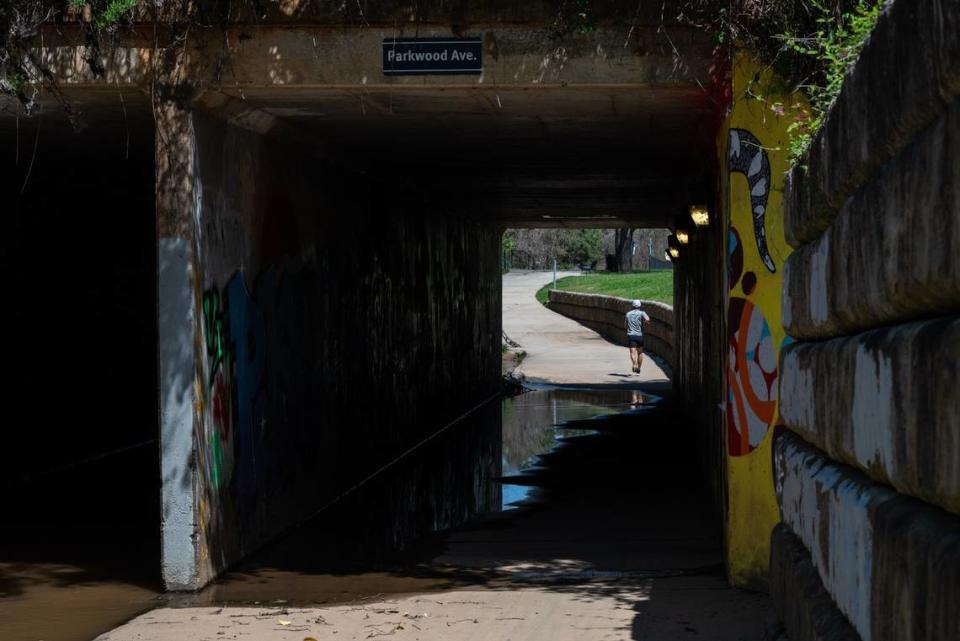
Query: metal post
[{"x": 554, "y": 273}]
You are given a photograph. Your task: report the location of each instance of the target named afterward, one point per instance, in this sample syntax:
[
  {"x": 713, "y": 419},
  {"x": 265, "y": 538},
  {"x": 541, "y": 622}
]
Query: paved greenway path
[{"x": 560, "y": 350}]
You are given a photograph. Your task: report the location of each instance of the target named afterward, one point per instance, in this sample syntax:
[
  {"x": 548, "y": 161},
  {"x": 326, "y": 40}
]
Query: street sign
[{"x": 432, "y": 56}]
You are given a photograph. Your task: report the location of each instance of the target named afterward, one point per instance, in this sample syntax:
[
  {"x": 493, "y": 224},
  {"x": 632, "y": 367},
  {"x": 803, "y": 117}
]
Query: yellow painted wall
[{"x": 753, "y": 152}]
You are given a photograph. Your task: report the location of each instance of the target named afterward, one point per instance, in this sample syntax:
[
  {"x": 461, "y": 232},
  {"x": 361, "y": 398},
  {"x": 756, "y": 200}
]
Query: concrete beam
[
  {"x": 884, "y": 401},
  {"x": 893, "y": 252},
  {"x": 878, "y": 112},
  {"x": 801, "y": 602},
  {"x": 890, "y": 562},
  {"x": 240, "y": 57}
]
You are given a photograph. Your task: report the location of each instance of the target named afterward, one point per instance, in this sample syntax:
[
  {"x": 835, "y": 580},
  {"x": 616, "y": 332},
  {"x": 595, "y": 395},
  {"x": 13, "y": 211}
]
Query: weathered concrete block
[
  {"x": 878, "y": 111},
  {"x": 884, "y": 401},
  {"x": 801, "y": 602},
  {"x": 890, "y": 562},
  {"x": 893, "y": 253}
]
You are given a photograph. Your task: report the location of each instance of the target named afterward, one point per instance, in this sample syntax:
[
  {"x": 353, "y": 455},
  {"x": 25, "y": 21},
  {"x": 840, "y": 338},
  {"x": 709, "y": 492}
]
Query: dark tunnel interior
[
  {"x": 80, "y": 464},
  {"x": 432, "y": 172}
]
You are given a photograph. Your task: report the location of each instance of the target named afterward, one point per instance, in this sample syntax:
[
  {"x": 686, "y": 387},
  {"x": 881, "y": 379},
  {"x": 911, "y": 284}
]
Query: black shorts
[{"x": 636, "y": 341}]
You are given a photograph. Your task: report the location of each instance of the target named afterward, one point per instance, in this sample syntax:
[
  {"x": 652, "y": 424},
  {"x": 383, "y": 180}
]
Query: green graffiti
[{"x": 213, "y": 329}]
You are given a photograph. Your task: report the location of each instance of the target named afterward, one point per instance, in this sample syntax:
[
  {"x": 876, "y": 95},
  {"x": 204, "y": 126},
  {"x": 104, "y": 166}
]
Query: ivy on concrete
[
  {"x": 808, "y": 43},
  {"x": 22, "y": 74},
  {"x": 835, "y": 45}
]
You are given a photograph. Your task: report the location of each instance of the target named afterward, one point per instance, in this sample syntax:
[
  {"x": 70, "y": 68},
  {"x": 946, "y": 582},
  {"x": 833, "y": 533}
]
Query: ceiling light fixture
[{"x": 700, "y": 215}]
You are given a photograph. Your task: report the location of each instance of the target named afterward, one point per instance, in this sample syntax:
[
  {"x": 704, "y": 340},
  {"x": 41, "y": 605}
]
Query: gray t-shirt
[{"x": 635, "y": 320}]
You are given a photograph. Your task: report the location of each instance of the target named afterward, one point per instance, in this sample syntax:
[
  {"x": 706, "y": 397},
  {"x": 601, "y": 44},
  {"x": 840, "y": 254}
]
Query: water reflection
[
  {"x": 65, "y": 592},
  {"x": 530, "y": 427}
]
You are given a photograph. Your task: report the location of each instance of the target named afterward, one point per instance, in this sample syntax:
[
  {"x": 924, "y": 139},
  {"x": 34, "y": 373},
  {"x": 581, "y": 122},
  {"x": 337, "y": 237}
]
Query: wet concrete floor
[
  {"x": 79, "y": 549},
  {"x": 602, "y": 504}
]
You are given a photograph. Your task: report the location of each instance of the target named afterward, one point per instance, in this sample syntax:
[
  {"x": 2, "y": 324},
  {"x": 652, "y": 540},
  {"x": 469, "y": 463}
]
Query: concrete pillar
[{"x": 177, "y": 335}]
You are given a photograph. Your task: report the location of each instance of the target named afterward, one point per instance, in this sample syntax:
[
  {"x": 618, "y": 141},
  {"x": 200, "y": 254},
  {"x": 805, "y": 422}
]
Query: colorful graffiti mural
[
  {"x": 248, "y": 339},
  {"x": 751, "y": 377},
  {"x": 754, "y": 147},
  {"x": 747, "y": 156},
  {"x": 219, "y": 450}
]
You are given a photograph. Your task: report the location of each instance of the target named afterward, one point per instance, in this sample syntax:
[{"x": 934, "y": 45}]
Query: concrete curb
[{"x": 604, "y": 315}]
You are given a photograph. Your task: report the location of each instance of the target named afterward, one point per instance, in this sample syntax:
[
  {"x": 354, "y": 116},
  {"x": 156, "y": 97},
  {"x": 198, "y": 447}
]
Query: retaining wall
[
  {"x": 605, "y": 315},
  {"x": 867, "y": 468}
]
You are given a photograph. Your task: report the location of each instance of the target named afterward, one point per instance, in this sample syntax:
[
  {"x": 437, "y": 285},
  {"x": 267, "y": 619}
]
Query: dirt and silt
[{"x": 604, "y": 529}]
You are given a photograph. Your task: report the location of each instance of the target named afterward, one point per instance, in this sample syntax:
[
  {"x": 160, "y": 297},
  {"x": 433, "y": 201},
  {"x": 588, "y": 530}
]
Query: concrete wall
[
  {"x": 314, "y": 322},
  {"x": 867, "y": 469},
  {"x": 699, "y": 347},
  {"x": 605, "y": 315},
  {"x": 753, "y": 150}
]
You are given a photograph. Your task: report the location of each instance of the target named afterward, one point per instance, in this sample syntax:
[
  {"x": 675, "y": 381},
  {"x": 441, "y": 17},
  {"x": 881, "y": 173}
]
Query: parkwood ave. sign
[{"x": 428, "y": 56}]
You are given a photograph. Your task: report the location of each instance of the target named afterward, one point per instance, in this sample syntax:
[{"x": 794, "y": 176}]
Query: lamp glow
[
  {"x": 700, "y": 215},
  {"x": 674, "y": 252},
  {"x": 683, "y": 236}
]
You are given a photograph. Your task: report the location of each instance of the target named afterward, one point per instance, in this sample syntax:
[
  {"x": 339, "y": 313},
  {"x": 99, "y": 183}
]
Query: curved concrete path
[{"x": 560, "y": 350}]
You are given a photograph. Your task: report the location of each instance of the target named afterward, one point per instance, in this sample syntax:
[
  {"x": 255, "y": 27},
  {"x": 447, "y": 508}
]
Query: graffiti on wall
[
  {"x": 219, "y": 446},
  {"x": 751, "y": 357},
  {"x": 747, "y": 156},
  {"x": 752, "y": 376},
  {"x": 248, "y": 339},
  {"x": 753, "y": 145},
  {"x": 753, "y": 349}
]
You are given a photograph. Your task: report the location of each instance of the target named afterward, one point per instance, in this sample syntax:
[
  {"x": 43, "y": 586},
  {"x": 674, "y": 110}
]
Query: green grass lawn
[{"x": 655, "y": 285}]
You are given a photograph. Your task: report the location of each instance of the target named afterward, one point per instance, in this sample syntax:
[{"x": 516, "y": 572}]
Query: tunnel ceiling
[
  {"x": 570, "y": 156},
  {"x": 608, "y": 128},
  {"x": 520, "y": 156}
]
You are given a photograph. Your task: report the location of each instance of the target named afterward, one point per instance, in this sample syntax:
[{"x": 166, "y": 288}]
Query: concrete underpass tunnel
[
  {"x": 326, "y": 269},
  {"x": 349, "y": 247},
  {"x": 254, "y": 282}
]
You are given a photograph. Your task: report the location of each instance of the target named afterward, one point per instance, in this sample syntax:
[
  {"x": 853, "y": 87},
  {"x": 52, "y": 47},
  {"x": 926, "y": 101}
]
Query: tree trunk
[{"x": 623, "y": 250}]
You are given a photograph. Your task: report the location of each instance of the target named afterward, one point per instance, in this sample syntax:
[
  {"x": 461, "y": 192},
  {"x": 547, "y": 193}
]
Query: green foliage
[
  {"x": 653, "y": 285},
  {"x": 536, "y": 248},
  {"x": 508, "y": 242},
  {"x": 110, "y": 12},
  {"x": 579, "y": 246},
  {"x": 22, "y": 72},
  {"x": 834, "y": 47}
]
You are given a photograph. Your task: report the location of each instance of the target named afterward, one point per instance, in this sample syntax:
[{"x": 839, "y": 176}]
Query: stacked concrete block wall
[
  {"x": 313, "y": 323},
  {"x": 605, "y": 315},
  {"x": 868, "y": 464}
]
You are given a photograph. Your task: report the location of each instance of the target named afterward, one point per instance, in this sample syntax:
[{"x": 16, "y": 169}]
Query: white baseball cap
[{"x": 637, "y": 303}]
